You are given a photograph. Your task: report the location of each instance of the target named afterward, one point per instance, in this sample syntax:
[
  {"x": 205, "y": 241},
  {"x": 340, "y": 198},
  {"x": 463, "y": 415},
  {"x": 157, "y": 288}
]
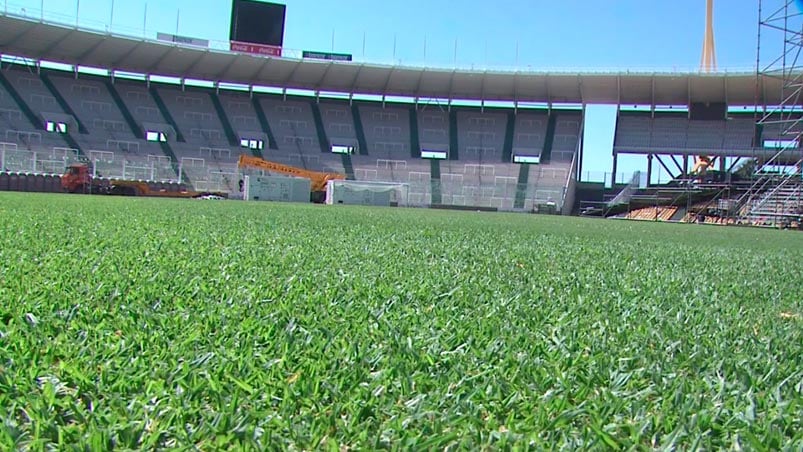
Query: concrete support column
[{"x": 615, "y": 164}]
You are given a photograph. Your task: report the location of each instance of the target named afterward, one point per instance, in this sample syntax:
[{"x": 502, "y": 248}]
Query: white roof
[{"x": 70, "y": 45}]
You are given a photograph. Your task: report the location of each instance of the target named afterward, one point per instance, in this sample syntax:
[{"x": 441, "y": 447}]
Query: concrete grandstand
[{"x": 142, "y": 113}]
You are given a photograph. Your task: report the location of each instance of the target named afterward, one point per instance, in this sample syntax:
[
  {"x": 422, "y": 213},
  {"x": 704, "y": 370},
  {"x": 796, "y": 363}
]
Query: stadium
[{"x": 423, "y": 305}]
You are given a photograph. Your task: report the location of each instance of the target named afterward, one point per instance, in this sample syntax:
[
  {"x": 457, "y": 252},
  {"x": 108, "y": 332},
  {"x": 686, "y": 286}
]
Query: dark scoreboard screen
[{"x": 257, "y": 22}]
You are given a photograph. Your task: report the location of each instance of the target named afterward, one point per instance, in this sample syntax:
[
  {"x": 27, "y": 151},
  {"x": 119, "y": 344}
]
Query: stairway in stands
[
  {"x": 415, "y": 142},
  {"x": 521, "y": 186},
  {"x": 453, "y": 142},
  {"x": 348, "y": 166},
  {"x": 546, "y": 154},
  {"x": 135, "y": 128},
  {"x": 129, "y": 118},
  {"x": 166, "y": 113},
  {"x": 435, "y": 181},
  {"x": 320, "y": 130},
  {"x": 265, "y": 125},
  {"x": 510, "y": 131},
  {"x": 26, "y": 110},
  {"x": 63, "y": 102},
  {"x": 231, "y": 136},
  {"x": 168, "y": 151},
  {"x": 782, "y": 201},
  {"x": 359, "y": 130},
  {"x": 34, "y": 118}
]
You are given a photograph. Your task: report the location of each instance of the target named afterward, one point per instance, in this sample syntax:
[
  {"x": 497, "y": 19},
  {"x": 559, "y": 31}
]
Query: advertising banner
[
  {"x": 182, "y": 40},
  {"x": 257, "y": 49},
  {"x": 326, "y": 56}
]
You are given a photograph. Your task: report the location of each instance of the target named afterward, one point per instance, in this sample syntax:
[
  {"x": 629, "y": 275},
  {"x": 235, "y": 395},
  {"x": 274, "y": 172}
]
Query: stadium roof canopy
[{"x": 44, "y": 41}]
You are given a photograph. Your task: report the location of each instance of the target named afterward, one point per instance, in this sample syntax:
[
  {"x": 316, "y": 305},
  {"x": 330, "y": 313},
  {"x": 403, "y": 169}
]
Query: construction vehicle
[
  {"x": 318, "y": 180},
  {"x": 78, "y": 178}
]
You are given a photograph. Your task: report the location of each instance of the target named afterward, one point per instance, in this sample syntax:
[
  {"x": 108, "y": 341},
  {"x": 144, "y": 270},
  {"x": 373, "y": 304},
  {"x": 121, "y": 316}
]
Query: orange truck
[{"x": 78, "y": 179}]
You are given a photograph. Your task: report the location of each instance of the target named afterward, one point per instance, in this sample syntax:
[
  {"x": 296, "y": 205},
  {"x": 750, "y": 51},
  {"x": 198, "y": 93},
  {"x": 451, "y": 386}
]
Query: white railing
[
  {"x": 104, "y": 164},
  {"x": 103, "y": 156}
]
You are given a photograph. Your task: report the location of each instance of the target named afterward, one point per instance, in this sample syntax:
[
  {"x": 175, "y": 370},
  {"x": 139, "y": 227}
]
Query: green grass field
[{"x": 147, "y": 323}]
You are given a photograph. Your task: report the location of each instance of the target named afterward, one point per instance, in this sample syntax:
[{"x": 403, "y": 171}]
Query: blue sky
[{"x": 589, "y": 35}]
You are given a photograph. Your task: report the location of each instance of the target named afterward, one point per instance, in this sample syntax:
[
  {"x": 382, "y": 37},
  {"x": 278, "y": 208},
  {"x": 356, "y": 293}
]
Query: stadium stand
[
  {"x": 670, "y": 130},
  {"x": 109, "y": 139},
  {"x": 166, "y": 132},
  {"x": 433, "y": 128},
  {"x": 293, "y": 126},
  {"x": 566, "y": 136},
  {"x": 664, "y": 213},
  {"x": 133, "y": 124},
  {"x": 481, "y": 135},
  {"x": 245, "y": 123},
  {"x": 23, "y": 102},
  {"x": 530, "y": 135}
]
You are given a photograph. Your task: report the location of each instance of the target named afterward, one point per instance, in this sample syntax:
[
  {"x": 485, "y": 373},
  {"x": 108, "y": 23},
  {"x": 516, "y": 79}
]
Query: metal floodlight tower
[
  {"x": 775, "y": 196},
  {"x": 708, "y": 62}
]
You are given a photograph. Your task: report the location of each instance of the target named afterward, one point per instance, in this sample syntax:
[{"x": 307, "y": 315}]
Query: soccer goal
[{"x": 367, "y": 193}]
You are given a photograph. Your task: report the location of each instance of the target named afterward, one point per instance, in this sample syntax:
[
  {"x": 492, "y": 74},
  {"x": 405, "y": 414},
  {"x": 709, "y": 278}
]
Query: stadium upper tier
[{"x": 38, "y": 40}]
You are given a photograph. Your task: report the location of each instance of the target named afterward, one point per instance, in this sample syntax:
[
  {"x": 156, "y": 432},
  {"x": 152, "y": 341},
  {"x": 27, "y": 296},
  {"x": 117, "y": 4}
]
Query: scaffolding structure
[{"x": 775, "y": 196}]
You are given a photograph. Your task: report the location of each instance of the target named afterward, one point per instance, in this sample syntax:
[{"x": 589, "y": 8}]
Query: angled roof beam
[
  {"x": 323, "y": 76},
  {"x": 582, "y": 90},
  {"x": 387, "y": 82},
  {"x": 451, "y": 88},
  {"x": 354, "y": 82},
  {"x": 11, "y": 43},
  {"x": 125, "y": 55},
  {"x": 57, "y": 42},
  {"x": 91, "y": 49},
  {"x": 482, "y": 91},
  {"x": 688, "y": 93},
  {"x": 160, "y": 60},
  {"x": 420, "y": 79},
  {"x": 292, "y": 73},
  {"x": 197, "y": 63},
  {"x": 259, "y": 70}
]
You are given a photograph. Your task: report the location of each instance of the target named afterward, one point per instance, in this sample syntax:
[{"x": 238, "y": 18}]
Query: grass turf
[{"x": 142, "y": 323}]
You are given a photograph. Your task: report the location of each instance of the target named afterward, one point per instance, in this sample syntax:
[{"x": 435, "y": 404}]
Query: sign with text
[
  {"x": 257, "y": 49},
  {"x": 532, "y": 159},
  {"x": 433, "y": 155},
  {"x": 326, "y": 56},
  {"x": 182, "y": 40},
  {"x": 340, "y": 149}
]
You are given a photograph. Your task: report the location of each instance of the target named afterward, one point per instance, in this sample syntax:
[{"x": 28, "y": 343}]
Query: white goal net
[{"x": 367, "y": 193}]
